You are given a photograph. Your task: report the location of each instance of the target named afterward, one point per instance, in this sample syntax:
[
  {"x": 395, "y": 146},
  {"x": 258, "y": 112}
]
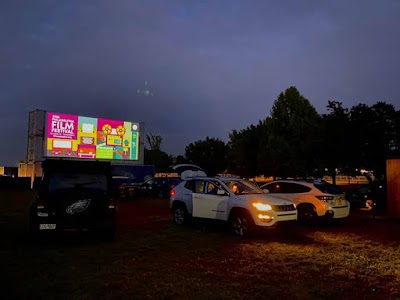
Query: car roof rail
[{"x": 189, "y": 174}]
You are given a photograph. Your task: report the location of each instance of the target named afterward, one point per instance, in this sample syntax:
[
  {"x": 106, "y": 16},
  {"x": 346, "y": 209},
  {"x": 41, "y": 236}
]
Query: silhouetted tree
[
  {"x": 243, "y": 150},
  {"x": 154, "y": 141},
  {"x": 336, "y": 138},
  {"x": 360, "y": 128},
  {"x": 293, "y": 135},
  {"x": 161, "y": 160},
  {"x": 210, "y": 154},
  {"x": 296, "y": 141},
  {"x": 383, "y": 136},
  {"x": 155, "y": 156},
  {"x": 180, "y": 159}
]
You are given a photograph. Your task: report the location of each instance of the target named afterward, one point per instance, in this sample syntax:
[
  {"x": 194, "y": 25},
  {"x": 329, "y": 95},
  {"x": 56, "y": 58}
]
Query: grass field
[{"x": 154, "y": 259}]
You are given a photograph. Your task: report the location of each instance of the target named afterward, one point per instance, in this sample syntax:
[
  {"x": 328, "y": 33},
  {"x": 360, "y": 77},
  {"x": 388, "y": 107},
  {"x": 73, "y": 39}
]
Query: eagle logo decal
[{"x": 78, "y": 206}]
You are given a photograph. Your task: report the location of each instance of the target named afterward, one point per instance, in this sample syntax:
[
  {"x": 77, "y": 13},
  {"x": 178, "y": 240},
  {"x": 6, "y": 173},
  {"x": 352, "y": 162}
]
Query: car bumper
[
  {"x": 337, "y": 212},
  {"x": 52, "y": 223},
  {"x": 276, "y": 217}
]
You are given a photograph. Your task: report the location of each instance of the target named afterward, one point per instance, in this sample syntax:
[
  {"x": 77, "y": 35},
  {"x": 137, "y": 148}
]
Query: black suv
[
  {"x": 74, "y": 196},
  {"x": 159, "y": 186}
]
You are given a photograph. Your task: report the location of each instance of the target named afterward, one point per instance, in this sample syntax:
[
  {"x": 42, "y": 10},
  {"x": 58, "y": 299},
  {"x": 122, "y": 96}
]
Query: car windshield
[
  {"x": 328, "y": 188},
  {"x": 241, "y": 187},
  {"x": 67, "y": 181}
]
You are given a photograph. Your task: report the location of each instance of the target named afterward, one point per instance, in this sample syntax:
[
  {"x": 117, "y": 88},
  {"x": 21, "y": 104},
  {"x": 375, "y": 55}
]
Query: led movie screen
[{"x": 72, "y": 136}]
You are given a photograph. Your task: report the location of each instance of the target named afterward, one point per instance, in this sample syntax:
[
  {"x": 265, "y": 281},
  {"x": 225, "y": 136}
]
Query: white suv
[
  {"x": 313, "y": 199},
  {"x": 235, "y": 200}
]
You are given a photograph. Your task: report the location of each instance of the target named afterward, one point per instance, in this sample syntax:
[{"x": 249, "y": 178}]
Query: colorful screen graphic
[{"x": 74, "y": 136}]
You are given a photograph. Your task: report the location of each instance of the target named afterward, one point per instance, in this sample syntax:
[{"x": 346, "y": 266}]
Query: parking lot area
[{"x": 152, "y": 258}]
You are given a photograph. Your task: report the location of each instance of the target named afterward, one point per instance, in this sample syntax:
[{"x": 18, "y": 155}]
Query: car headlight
[{"x": 262, "y": 206}]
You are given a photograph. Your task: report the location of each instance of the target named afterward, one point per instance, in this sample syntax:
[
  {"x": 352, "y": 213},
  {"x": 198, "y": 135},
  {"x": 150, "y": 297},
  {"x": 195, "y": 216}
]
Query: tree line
[{"x": 296, "y": 141}]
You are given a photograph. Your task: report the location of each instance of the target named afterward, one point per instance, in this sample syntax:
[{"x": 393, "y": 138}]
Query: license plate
[{"x": 47, "y": 226}]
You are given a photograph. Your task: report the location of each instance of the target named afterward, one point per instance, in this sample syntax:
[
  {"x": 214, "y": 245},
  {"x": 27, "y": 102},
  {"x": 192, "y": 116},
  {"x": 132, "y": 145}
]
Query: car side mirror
[
  {"x": 266, "y": 191},
  {"x": 221, "y": 192}
]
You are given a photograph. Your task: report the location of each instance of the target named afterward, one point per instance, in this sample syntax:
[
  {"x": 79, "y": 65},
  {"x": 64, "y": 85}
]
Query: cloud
[{"x": 216, "y": 65}]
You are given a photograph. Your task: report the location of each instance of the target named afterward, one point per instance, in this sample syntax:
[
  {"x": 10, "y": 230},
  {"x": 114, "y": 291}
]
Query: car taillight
[
  {"x": 324, "y": 198},
  {"x": 173, "y": 193}
]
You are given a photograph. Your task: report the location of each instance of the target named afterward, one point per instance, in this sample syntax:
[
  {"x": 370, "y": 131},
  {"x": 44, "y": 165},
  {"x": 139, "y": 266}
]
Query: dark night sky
[{"x": 215, "y": 65}]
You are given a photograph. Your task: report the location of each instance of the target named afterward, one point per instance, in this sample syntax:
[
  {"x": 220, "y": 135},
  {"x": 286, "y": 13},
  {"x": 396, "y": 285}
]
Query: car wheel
[
  {"x": 306, "y": 214},
  {"x": 242, "y": 224},
  {"x": 180, "y": 214}
]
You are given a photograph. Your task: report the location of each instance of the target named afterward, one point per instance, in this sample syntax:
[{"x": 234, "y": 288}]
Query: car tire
[
  {"x": 242, "y": 224},
  {"x": 306, "y": 214},
  {"x": 179, "y": 214}
]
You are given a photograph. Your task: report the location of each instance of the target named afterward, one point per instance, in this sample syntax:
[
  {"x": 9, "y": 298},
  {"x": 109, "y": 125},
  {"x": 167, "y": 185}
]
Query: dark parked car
[
  {"x": 368, "y": 196},
  {"x": 159, "y": 187},
  {"x": 74, "y": 196},
  {"x": 121, "y": 187}
]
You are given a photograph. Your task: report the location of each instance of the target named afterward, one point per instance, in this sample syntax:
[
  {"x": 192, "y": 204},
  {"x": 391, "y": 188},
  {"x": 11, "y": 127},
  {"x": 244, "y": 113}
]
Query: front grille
[{"x": 283, "y": 207}]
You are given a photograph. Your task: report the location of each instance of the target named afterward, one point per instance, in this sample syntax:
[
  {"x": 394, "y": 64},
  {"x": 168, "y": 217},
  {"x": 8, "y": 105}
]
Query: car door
[{"x": 207, "y": 203}]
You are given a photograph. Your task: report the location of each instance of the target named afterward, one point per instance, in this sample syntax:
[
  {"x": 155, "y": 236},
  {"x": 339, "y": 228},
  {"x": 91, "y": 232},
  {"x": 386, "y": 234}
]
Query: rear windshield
[
  {"x": 328, "y": 188},
  {"x": 67, "y": 181}
]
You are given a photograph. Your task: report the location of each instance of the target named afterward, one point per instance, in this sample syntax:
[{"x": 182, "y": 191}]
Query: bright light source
[
  {"x": 324, "y": 198},
  {"x": 261, "y": 206},
  {"x": 265, "y": 217}
]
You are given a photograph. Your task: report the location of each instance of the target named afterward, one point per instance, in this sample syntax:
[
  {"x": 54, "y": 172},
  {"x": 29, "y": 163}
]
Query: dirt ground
[
  {"x": 153, "y": 258},
  {"x": 150, "y": 214},
  {"x": 142, "y": 214}
]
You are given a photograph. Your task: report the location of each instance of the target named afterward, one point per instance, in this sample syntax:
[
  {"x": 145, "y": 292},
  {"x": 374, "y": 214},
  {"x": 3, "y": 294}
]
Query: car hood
[{"x": 270, "y": 199}]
